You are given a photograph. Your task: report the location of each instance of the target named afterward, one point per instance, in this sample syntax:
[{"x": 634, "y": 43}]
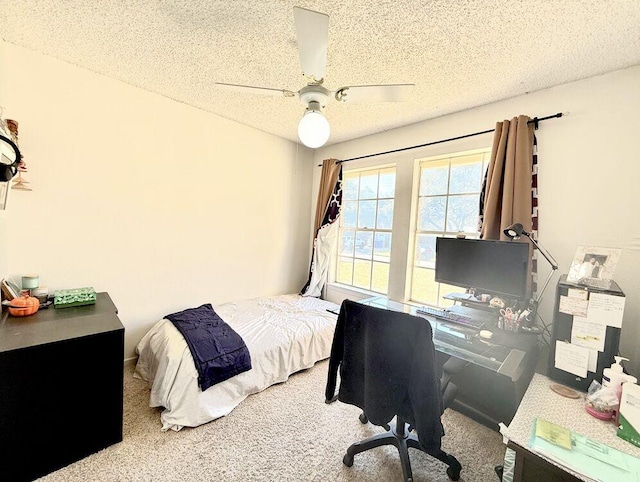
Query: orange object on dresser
[{"x": 24, "y": 306}]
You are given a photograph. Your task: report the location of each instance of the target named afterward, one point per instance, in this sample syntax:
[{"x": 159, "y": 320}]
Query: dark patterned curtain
[
  {"x": 327, "y": 211},
  {"x": 534, "y": 215}
]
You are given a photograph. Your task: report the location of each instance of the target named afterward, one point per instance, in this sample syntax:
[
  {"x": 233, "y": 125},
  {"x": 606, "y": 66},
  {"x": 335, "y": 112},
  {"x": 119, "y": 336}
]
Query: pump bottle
[{"x": 615, "y": 377}]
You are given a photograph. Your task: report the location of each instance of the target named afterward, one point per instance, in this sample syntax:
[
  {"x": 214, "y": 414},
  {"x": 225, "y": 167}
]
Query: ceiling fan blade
[
  {"x": 375, "y": 93},
  {"x": 312, "y": 30},
  {"x": 256, "y": 90}
]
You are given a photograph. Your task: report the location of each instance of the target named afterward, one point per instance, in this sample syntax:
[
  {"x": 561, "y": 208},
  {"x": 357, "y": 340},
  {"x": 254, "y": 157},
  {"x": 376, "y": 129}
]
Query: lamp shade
[
  {"x": 313, "y": 129},
  {"x": 515, "y": 231}
]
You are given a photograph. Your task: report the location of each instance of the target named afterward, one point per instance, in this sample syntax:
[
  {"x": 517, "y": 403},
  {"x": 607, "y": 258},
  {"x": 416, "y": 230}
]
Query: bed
[{"x": 284, "y": 334}]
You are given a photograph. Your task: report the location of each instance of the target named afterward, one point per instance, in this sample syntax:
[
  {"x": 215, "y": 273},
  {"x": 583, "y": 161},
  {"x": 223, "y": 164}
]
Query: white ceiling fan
[{"x": 312, "y": 30}]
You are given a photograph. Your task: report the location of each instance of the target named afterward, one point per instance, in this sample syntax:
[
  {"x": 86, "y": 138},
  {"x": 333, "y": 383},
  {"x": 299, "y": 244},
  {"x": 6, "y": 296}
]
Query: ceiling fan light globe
[{"x": 313, "y": 129}]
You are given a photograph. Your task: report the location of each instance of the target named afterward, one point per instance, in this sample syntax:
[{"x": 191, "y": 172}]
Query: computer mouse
[{"x": 486, "y": 334}]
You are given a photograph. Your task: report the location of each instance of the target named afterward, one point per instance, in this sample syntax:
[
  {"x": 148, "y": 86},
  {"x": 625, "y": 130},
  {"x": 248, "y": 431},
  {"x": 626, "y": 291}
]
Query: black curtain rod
[{"x": 533, "y": 121}]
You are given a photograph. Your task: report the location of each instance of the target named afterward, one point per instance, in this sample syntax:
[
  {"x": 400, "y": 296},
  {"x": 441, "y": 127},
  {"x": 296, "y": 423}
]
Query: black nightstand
[{"x": 61, "y": 384}]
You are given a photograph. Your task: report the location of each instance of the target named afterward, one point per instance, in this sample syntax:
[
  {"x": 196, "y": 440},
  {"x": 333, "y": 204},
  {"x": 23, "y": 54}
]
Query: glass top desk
[{"x": 505, "y": 353}]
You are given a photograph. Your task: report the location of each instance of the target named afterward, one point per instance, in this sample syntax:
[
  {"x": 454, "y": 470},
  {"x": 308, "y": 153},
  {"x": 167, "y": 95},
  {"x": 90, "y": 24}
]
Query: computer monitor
[{"x": 489, "y": 266}]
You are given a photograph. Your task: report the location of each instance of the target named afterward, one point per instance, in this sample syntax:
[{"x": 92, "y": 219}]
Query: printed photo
[{"x": 593, "y": 265}]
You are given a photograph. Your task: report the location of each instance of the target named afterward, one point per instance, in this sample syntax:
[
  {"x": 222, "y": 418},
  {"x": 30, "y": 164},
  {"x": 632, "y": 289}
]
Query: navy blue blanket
[{"x": 218, "y": 352}]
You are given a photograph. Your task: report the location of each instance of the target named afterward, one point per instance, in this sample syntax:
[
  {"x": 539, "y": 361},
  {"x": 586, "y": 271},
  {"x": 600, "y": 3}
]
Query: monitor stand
[
  {"x": 467, "y": 299},
  {"x": 461, "y": 297}
]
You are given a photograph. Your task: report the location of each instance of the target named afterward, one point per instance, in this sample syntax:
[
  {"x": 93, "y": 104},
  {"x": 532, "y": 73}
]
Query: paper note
[
  {"x": 593, "y": 361},
  {"x": 553, "y": 433},
  {"x": 606, "y": 309},
  {"x": 587, "y": 334},
  {"x": 572, "y": 358},
  {"x": 579, "y": 294},
  {"x": 599, "y": 451},
  {"x": 589, "y": 458},
  {"x": 573, "y": 306}
]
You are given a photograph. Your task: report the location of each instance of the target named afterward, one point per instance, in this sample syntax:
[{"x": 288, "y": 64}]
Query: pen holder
[{"x": 509, "y": 323}]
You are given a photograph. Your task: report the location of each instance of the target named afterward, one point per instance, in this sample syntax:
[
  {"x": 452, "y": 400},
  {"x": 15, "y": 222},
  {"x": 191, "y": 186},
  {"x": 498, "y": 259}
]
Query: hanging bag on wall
[{"x": 7, "y": 171}]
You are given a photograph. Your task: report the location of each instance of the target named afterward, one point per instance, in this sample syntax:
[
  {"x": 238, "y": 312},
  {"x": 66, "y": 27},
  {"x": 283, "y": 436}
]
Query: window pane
[
  {"x": 423, "y": 287},
  {"x": 367, "y": 214},
  {"x": 434, "y": 180},
  {"x": 362, "y": 273},
  {"x": 426, "y": 251},
  {"x": 431, "y": 213},
  {"x": 447, "y": 204},
  {"x": 462, "y": 213},
  {"x": 382, "y": 247},
  {"x": 345, "y": 271},
  {"x": 368, "y": 186},
  {"x": 365, "y": 225},
  {"x": 347, "y": 243},
  {"x": 385, "y": 214},
  {"x": 380, "y": 277},
  {"x": 364, "y": 244},
  {"x": 350, "y": 187},
  {"x": 387, "y": 186},
  {"x": 465, "y": 178},
  {"x": 349, "y": 214}
]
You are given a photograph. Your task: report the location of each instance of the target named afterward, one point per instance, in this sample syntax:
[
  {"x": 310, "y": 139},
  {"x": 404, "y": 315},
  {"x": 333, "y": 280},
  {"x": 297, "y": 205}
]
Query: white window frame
[
  {"x": 341, "y": 228},
  {"x": 404, "y": 215},
  {"x": 441, "y": 289}
]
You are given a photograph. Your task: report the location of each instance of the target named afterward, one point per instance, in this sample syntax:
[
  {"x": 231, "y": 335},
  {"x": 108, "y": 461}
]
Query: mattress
[{"x": 284, "y": 334}]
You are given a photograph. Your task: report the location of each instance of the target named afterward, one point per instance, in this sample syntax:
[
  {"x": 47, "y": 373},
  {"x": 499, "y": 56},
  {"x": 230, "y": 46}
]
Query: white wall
[
  {"x": 161, "y": 205},
  {"x": 589, "y": 170}
]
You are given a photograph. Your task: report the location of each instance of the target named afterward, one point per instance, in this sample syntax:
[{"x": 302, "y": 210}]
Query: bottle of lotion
[{"x": 615, "y": 377}]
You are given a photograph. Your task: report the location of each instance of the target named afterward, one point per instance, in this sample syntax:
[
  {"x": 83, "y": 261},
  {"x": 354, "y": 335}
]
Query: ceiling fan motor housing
[{"x": 314, "y": 93}]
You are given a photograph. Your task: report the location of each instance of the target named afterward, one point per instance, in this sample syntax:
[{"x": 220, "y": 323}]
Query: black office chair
[{"x": 387, "y": 368}]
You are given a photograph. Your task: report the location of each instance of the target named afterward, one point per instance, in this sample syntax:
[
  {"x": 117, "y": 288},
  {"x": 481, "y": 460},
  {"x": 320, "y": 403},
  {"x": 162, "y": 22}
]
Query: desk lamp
[{"x": 514, "y": 232}]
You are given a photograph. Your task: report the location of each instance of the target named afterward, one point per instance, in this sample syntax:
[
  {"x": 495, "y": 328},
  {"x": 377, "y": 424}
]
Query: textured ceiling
[{"x": 459, "y": 53}]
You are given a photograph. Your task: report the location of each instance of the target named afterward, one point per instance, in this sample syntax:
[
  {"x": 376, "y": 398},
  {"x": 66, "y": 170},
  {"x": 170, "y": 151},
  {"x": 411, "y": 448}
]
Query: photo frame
[
  {"x": 594, "y": 266},
  {"x": 9, "y": 289}
]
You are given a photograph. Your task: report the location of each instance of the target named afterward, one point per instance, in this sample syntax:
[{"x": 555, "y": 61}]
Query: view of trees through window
[
  {"x": 448, "y": 205},
  {"x": 366, "y": 220}
]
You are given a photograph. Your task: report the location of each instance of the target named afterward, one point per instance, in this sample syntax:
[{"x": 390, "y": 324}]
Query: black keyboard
[{"x": 445, "y": 315}]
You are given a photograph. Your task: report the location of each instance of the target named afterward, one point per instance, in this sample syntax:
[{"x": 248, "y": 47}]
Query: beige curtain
[
  {"x": 325, "y": 230},
  {"x": 508, "y": 187},
  {"x": 328, "y": 180}
]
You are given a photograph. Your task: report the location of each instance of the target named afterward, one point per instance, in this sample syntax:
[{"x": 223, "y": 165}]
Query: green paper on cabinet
[{"x": 74, "y": 297}]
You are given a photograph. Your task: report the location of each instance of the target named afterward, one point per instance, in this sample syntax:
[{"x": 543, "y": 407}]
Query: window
[
  {"x": 365, "y": 228},
  {"x": 448, "y": 204}
]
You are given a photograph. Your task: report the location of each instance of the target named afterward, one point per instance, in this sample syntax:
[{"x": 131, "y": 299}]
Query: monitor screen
[{"x": 490, "y": 266}]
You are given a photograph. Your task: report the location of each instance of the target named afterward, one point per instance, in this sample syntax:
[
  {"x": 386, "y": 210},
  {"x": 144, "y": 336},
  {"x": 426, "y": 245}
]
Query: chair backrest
[{"x": 387, "y": 367}]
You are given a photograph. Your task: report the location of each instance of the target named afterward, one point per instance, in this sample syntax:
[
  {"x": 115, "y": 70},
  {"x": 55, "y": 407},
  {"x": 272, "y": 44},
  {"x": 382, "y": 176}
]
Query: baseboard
[{"x": 128, "y": 362}]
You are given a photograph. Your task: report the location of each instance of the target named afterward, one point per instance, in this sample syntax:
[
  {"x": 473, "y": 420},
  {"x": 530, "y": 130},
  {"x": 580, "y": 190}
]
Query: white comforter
[{"x": 284, "y": 334}]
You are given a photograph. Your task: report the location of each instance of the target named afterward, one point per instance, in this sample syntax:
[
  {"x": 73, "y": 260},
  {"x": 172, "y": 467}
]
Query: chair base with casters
[
  {"x": 397, "y": 434},
  {"x": 388, "y": 367}
]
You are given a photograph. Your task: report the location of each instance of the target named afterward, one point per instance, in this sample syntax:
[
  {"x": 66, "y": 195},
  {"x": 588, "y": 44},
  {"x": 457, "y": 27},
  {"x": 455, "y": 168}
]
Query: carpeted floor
[{"x": 285, "y": 433}]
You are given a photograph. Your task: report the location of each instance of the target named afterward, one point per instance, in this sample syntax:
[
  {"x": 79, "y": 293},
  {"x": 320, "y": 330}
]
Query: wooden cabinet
[{"x": 61, "y": 384}]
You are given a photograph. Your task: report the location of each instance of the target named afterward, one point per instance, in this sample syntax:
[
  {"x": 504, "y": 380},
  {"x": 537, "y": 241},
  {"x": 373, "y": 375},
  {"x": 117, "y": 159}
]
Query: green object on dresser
[{"x": 74, "y": 297}]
